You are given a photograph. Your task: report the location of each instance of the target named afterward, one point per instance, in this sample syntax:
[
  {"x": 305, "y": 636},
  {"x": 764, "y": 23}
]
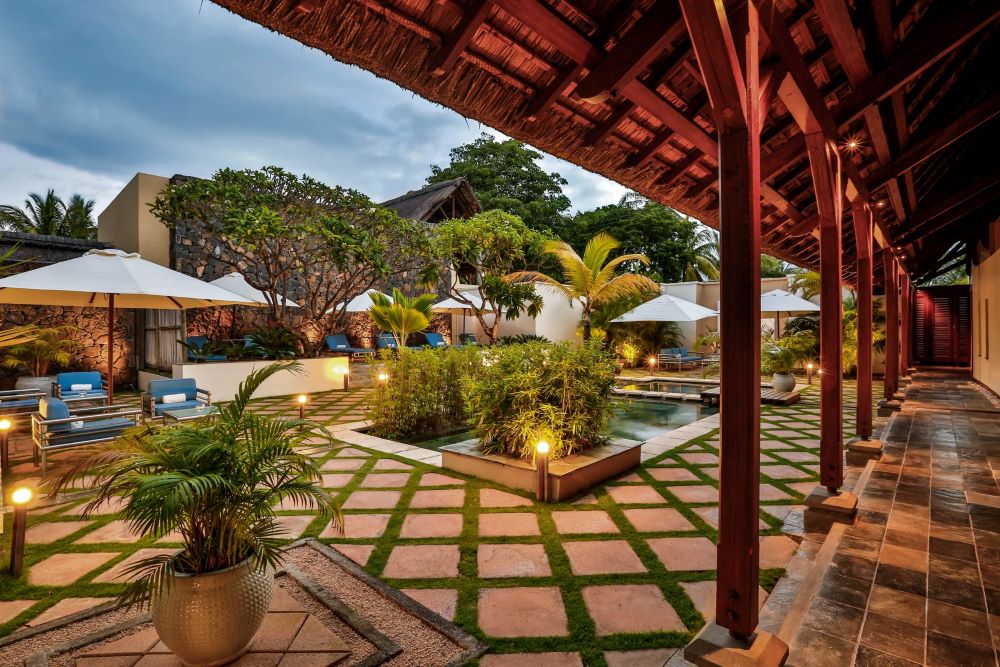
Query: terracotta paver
[
  {"x": 522, "y": 612},
  {"x": 702, "y": 594},
  {"x": 698, "y": 493},
  {"x": 710, "y": 515},
  {"x": 136, "y": 643},
  {"x": 442, "y": 601},
  {"x": 423, "y": 561},
  {"x": 342, "y": 464},
  {"x": 673, "y": 474},
  {"x": 351, "y": 452},
  {"x": 437, "y": 479},
  {"x": 416, "y": 526},
  {"x": 583, "y": 522},
  {"x": 655, "y": 657},
  {"x": 769, "y": 492},
  {"x": 386, "y": 480},
  {"x": 64, "y": 607},
  {"x": 507, "y": 524},
  {"x": 372, "y": 500},
  {"x": 602, "y": 557},
  {"x": 64, "y": 569},
  {"x": 277, "y": 631},
  {"x": 630, "y": 608},
  {"x": 53, "y": 531},
  {"x": 644, "y": 495},
  {"x": 701, "y": 458},
  {"x": 392, "y": 464},
  {"x": 336, "y": 480},
  {"x": 105, "y": 507},
  {"x": 359, "y": 526},
  {"x": 12, "y": 608},
  {"x": 684, "y": 553},
  {"x": 293, "y": 525},
  {"x": 359, "y": 553},
  {"x": 118, "y": 574},
  {"x": 314, "y": 637},
  {"x": 493, "y": 498},
  {"x": 783, "y": 471},
  {"x": 776, "y": 550},
  {"x": 430, "y": 498},
  {"x": 512, "y": 560},
  {"x": 533, "y": 659},
  {"x": 657, "y": 519}
]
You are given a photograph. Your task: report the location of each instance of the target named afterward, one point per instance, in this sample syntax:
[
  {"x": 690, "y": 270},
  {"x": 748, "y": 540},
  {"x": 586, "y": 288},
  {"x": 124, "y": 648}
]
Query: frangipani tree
[
  {"x": 401, "y": 315},
  {"x": 592, "y": 280}
]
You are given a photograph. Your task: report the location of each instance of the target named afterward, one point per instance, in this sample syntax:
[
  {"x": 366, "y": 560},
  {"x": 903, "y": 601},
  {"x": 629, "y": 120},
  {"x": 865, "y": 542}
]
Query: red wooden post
[
  {"x": 823, "y": 163},
  {"x": 862, "y": 217},
  {"x": 906, "y": 301},
  {"x": 891, "y": 325}
]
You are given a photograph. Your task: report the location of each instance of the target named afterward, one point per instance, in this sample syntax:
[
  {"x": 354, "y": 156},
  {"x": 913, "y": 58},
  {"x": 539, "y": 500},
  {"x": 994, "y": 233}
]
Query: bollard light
[
  {"x": 652, "y": 364},
  {"x": 302, "y": 399},
  {"x": 346, "y": 372},
  {"x": 542, "y": 465},
  {"x": 383, "y": 377},
  {"x": 5, "y": 426},
  {"x": 21, "y": 497},
  {"x": 809, "y": 372}
]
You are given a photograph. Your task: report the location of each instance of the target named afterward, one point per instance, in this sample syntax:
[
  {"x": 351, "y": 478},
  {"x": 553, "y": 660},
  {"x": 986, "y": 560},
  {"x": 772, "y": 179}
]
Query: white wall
[
  {"x": 223, "y": 378},
  {"x": 985, "y": 281},
  {"x": 557, "y": 321}
]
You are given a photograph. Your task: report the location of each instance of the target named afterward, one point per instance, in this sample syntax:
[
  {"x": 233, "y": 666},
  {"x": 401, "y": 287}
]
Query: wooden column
[
  {"x": 906, "y": 300},
  {"x": 862, "y": 217},
  {"x": 734, "y": 96},
  {"x": 890, "y": 383},
  {"x": 824, "y": 166}
]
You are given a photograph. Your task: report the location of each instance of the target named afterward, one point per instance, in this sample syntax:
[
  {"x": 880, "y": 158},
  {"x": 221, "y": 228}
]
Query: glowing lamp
[
  {"x": 542, "y": 465},
  {"x": 383, "y": 377},
  {"x": 21, "y": 497},
  {"x": 542, "y": 447},
  {"x": 5, "y": 426}
]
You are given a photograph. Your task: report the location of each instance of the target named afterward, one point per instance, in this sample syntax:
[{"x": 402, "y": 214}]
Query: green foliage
[
  {"x": 17, "y": 335},
  {"x": 643, "y": 227},
  {"x": 805, "y": 283},
  {"x": 649, "y": 337},
  {"x": 491, "y": 244},
  {"x": 216, "y": 483},
  {"x": 704, "y": 263},
  {"x": 274, "y": 342},
  {"x": 201, "y": 351},
  {"x": 781, "y": 355},
  {"x": 423, "y": 395},
  {"x": 772, "y": 267},
  {"x": 809, "y": 324},
  {"x": 48, "y": 347},
  {"x": 401, "y": 315},
  {"x": 521, "y": 338},
  {"x": 557, "y": 392},
  {"x": 505, "y": 175},
  {"x": 51, "y": 215}
]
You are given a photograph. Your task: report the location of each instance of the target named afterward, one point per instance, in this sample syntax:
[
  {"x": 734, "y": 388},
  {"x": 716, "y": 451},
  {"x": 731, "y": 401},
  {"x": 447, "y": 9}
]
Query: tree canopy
[{"x": 52, "y": 216}]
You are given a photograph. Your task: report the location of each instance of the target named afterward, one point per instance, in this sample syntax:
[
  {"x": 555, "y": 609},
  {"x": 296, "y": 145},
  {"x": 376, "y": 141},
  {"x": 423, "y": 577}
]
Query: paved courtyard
[{"x": 622, "y": 576}]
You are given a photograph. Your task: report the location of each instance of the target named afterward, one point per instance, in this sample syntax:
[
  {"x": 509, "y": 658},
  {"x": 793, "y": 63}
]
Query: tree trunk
[{"x": 586, "y": 327}]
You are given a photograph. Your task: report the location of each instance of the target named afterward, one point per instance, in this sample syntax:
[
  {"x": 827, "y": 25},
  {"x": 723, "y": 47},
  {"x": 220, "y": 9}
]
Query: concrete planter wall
[
  {"x": 223, "y": 378},
  {"x": 568, "y": 476}
]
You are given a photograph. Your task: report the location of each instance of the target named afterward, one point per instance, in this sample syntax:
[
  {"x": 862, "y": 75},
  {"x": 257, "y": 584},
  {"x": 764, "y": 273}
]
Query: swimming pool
[{"x": 669, "y": 387}]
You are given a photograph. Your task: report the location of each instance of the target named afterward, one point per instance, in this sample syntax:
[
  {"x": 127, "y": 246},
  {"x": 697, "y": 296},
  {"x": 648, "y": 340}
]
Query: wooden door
[{"x": 942, "y": 326}]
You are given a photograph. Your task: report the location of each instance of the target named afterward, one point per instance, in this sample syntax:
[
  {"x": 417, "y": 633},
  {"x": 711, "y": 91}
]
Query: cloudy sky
[{"x": 92, "y": 92}]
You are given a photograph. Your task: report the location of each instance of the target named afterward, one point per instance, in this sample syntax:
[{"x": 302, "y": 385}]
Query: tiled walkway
[{"x": 917, "y": 579}]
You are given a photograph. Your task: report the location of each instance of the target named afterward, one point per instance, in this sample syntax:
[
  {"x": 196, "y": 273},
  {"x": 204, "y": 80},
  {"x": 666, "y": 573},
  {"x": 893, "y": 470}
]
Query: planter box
[
  {"x": 568, "y": 476},
  {"x": 223, "y": 378}
]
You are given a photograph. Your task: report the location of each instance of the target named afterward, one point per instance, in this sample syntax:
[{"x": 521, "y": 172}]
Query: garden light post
[
  {"x": 809, "y": 372},
  {"x": 5, "y": 425},
  {"x": 542, "y": 465},
  {"x": 21, "y": 497},
  {"x": 383, "y": 377},
  {"x": 346, "y": 372},
  {"x": 302, "y": 399},
  {"x": 652, "y": 364}
]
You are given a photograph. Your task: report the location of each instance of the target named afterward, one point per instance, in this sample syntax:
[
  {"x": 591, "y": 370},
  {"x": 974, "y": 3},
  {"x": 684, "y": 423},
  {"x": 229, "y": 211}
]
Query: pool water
[
  {"x": 634, "y": 420},
  {"x": 669, "y": 387}
]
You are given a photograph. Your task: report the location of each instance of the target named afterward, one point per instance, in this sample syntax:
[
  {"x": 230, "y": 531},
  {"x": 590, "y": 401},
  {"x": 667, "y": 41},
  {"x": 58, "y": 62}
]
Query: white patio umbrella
[
  {"x": 779, "y": 301},
  {"x": 362, "y": 303},
  {"x": 456, "y": 307},
  {"x": 667, "y": 308},
  {"x": 109, "y": 278},
  {"x": 237, "y": 284}
]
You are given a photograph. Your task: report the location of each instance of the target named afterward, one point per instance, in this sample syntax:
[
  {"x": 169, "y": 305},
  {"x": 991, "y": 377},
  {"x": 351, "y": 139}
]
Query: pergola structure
[{"x": 836, "y": 135}]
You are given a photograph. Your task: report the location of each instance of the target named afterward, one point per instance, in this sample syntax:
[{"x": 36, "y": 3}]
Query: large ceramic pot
[
  {"x": 783, "y": 382},
  {"x": 41, "y": 383},
  {"x": 211, "y": 619}
]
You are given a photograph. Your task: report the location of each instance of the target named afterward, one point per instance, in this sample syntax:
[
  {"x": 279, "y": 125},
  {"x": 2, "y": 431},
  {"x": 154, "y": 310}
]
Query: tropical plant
[
  {"x": 52, "y": 216},
  {"x": 809, "y": 324},
  {"x": 781, "y": 355},
  {"x": 521, "y": 338},
  {"x": 629, "y": 351},
  {"x": 401, "y": 315},
  {"x": 805, "y": 283},
  {"x": 53, "y": 346},
  {"x": 200, "y": 351},
  {"x": 592, "y": 280},
  {"x": 215, "y": 483},
  {"x": 704, "y": 263},
  {"x": 772, "y": 267},
  {"x": 557, "y": 392},
  {"x": 17, "y": 335},
  {"x": 274, "y": 342}
]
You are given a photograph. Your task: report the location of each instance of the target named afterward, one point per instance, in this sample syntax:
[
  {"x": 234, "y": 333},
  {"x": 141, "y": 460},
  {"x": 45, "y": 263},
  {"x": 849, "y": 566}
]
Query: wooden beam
[
  {"x": 783, "y": 157},
  {"x": 713, "y": 47},
  {"x": 924, "y": 46},
  {"x": 456, "y": 41},
  {"x": 769, "y": 84},
  {"x": 655, "y": 143},
  {"x": 634, "y": 52},
  {"x": 890, "y": 282},
  {"x": 601, "y": 132},
  {"x": 862, "y": 218},
  {"x": 545, "y": 97},
  {"x": 935, "y": 215},
  {"x": 670, "y": 176},
  {"x": 657, "y": 105}
]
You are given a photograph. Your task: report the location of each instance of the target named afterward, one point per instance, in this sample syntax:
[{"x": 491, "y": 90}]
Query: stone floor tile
[
  {"x": 684, "y": 553},
  {"x": 336, "y": 480},
  {"x": 533, "y": 659},
  {"x": 630, "y": 608},
  {"x": 657, "y": 519},
  {"x": 359, "y": 553},
  {"x": 442, "y": 601},
  {"x": 672, "y": 474},
  {"x": 701, "y": 458},
  {"x": 423, "y": 561},
  {"x": 370, "y": 500},
  {"x": 698, "y": 493},
  {"x": 64, "y": 568},
  {"x": 385, "y": 480},
  {"x": 293, "y": 525},
  {"x": 278, "y": 631},
  {"x": 359, "y": 526},
  {"x": 492, "y": 498},
  {"x": 431, "y": 498},
  {"x": 645, "y": 495},
  {"x": 342, "y": 464},
  {"x": 702, "y": 594},
  {"x": 391, "y": 464},
  {"x": 522, "y": 612},
  {"x": 63, "y": 608},
  {"x": 437, "y": 479},
  {"x": 315, "y": 637},
  {"x": 894, "y": 637},
  {"x": 583, "y": 522},
  {"x": 508, "y": 524},
  {"x": 496, "y": 561},
  {"x": 10, "y": 609},
  {"x": 136, "y": 643},
  {"x": 416, "y": 526},
  {"x": 776, "y": 551},
  {"x": 53, "y": 531},
  {"x": 656, "y": 657},
  {"x": 899, "y": 605},
  {"x": 117, "y": 574},
  {"x": 602, "y": 557},
  {"x": 110, "y": 506}
]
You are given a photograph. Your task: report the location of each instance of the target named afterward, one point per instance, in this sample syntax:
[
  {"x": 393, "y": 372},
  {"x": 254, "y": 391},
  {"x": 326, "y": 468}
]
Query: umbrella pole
[{"x": 111, "y": 348}]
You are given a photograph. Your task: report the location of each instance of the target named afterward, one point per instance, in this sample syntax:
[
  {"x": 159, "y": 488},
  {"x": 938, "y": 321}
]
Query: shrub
[
  {"x": 521, "y": 338},
  {"x": 423, "y": 394},
  {"x": 275, "y": 343},
  {"x": 48, "y": 347},
  {"x": 558, "y": 392}
]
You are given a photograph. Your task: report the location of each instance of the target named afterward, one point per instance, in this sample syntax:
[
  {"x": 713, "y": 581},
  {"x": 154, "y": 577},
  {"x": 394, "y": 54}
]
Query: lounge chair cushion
[
  {"x": 93, "y": 430},
  {"x": 435, "y": 340},
  {"x": 67, "y": 380},
  {"x": 53, "y": 408},
  {"x": 173, "y": 398},
  {"x": 18, "y": 403},
  {"x": 160, "y": 388},
  {"x": 94, "y": 395},
  {"x": 159, "y": 408}
]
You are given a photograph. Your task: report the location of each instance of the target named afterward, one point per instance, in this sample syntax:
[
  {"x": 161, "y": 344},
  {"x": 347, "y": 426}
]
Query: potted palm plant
[
  {"x": 780, "y": 356},
  {"x": 215, "y": 484},
  {"x": 46, "y": 348}
]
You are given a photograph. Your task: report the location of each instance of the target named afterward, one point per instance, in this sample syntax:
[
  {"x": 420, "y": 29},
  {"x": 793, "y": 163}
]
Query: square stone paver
[
  {"x": 424, "y": 561},
  {"x": 776, "y": 550},
  {"x": 673, "y": 475},
  {"x": 701, "y": 458},
  {"x": 277, "y": 631},
  {"x": 115, "y": 531},
  {"x": 710, "y": 515},
  {"x": 702, "y": 594},
  {"x": 118, "y": 574},
  {"x": 491, "y": 498},
  {"x": 53, "y": 531},
  {"x": 292, "y": 525},
  {"x": 442, "y": 601},
  {"x": 533, "y": 659},
  {"x": 437, "y": 479},
  {"x": 416, "y": 526},
  {"x": 769, "y": 492},
  {"x": 684, "y": 553},
  {"x": 342, "y": 464},
  {"x": 784, "y": 471},
  {"x": 10, "y": 609},
  {"x": 359, "y": 553},
  {"x": 438, "y": 498},
  {"x": 64, "y": 569},
  {"x": 336, "y": 480},
  {"x": 602, "y": 557},
  {"x": 391, "y": 464},
  {"x": 372, "y": 500},
  {"x": 522, "y": 612},
  {"x": 630, "y": 608},
  {"x": 657, "y": 519},
  {"x": 392, "y": 480},
  {"x": 512, "y": 560},
  {"x": 584, "y": 522},
  {"x": 359, "y": 526},
  {"x": 507, "y": 524},
  {"x": 698, "y": 493},
  {"x": 64, "y": 607},
  {"x": 654, "y": 657},
  {"x": 105, "y": 507},
  {"x": 644, "y": 495}
]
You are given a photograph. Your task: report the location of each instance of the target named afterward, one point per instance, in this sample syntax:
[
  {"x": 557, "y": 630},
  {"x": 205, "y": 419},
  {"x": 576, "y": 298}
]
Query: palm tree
[
  {"x": 402, "y": 315},
  {"x": 591, "y": 280},
  {"x": 705, "y": 256},
  {"x": 772, "y": 267},
  {"x": 50, "y": 215},
  {"x": 805, "y": 282}
]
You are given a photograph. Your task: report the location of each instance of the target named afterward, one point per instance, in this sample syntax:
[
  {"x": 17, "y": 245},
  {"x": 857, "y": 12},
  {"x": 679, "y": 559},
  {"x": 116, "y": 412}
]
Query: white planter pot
[
  {"x": 42, "y": 383},
  {"x": 211, "y": 619},
  {"x": 783, "y": 382}
]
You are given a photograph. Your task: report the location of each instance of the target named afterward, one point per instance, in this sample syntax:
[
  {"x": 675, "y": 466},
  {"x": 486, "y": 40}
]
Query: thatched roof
[
  {"x": 614, "y": 86},
  {"x": 438, "y": 201}
]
